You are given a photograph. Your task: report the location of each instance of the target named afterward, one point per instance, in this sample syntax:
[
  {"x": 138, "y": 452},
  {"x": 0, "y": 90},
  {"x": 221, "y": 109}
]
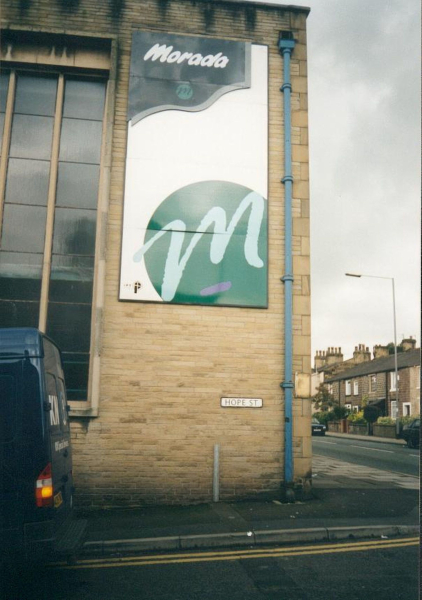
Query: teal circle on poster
[
  {"x": 206, "y": 243},
  {"x": 184, "y": 91}
]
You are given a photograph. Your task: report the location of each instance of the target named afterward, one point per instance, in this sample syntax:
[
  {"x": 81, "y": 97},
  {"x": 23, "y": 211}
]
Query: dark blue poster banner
[{"x": 195, "y": 206}]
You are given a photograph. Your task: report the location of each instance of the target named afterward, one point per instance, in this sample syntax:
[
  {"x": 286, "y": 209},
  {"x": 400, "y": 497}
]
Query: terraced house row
[{"x": 367, "y": 378}]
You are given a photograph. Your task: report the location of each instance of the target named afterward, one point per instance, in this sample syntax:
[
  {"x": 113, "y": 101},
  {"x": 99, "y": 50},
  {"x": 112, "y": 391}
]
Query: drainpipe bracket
[
  {"x": 286, "y": 384},
  {"x": 286, "y": 86},
  {"x": 287, "y": 178},
  {"x": 287, "y": 278}
]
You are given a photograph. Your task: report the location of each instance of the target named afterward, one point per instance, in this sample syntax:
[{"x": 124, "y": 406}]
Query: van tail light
[{"x": 44, "y": 487}]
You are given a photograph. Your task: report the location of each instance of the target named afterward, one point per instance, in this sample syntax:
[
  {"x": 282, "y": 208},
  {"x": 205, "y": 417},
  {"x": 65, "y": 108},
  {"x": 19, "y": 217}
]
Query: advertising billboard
[{"x": 196, "y": 186}]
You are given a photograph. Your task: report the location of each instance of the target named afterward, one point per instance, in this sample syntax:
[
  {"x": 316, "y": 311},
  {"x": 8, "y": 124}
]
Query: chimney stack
[
  {"x": 408, "y": 344},
  {"x": 380, "y": 351},
  {"x": 319, "y": 360},
  {"x": 333, "y": 356},
  {"x": 361, "y": 354}
]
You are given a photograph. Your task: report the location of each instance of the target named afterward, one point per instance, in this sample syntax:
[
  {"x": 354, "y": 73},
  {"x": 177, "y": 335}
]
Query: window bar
[
  {"x": 51, "y": 202},
  {"x": 7, "y": 131},
  {"x": 99, "y": 260}
]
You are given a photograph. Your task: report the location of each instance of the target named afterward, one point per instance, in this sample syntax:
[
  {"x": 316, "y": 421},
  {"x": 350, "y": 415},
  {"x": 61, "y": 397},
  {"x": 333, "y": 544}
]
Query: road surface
[
  {"x": 387, "y": 457},
  {"x": 379, "y": 569}
]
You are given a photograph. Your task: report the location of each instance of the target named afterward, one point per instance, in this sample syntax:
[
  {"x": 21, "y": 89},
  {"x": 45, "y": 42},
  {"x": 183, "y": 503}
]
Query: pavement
[{"x": 348, "y": 502}]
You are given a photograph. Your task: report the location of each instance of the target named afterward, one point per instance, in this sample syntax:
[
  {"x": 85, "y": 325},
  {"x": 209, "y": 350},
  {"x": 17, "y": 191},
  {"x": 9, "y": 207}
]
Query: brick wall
[
  {"x": 164, "y": 368},
  {"x": 409, "y": 390}
]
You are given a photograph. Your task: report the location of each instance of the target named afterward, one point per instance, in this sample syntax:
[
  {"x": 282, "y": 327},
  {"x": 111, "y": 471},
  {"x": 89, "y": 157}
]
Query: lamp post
[{"x": 395, "y": 332}]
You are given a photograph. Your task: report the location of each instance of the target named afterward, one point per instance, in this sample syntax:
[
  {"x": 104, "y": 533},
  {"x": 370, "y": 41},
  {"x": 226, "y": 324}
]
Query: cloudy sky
[{"x": 364, "y": 127}]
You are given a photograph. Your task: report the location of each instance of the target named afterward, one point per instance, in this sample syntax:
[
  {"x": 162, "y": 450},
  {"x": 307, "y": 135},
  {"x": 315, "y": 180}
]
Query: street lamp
[{"x": 395, "y": 329}]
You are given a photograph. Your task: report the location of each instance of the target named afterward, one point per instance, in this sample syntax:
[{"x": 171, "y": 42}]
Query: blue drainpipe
[{"x": 285, "y": 47}]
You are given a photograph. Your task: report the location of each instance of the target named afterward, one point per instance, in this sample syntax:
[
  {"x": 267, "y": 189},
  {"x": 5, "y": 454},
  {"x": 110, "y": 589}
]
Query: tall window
[
  {"x": 51, "y": 126},
  {"x": 348, "y": 387},
  {"x": 372, "y": 383},
  {"x": 393, "y": 381},
  {"x": 356, "y": 387}
]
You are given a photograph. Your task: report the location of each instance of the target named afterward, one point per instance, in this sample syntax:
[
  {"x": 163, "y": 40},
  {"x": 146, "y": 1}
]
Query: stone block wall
[{"x": 163, "y": 368}]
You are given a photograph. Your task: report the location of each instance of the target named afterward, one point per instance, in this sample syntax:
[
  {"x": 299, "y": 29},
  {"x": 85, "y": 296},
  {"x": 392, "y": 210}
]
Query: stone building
[
  {"x": 154, "y": 169},
  {"x": 374, "y": 382},
  {"x": 331, "y": 361}
]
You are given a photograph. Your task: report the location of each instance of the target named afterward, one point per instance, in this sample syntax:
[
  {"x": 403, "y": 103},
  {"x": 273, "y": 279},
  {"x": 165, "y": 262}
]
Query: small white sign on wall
[{"x": 241, "y": 402}]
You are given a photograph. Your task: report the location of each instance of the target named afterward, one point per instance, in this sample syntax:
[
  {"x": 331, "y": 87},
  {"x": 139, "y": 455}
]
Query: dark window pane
[
  {"x": 20, "y": 276},
  {"x": 76, "y": 375},
  {"x": 19, "y": 314},
  {"x": 74, "y": 231},
  {"x": 71, "y": 279},
  {"x": 84, "y": 99},
  {"x": 35, "y": 95},
  {"x": 1, "y": 129},
  {"x": 4, "y": 87},
  {"x": 77, "y": 185},
  {"x": 69, "y": 325},
  {"x": 31, "y": 137},
  {"x": 23, "y": 228},
  {"x": 27, "y": 181},
  {"x": 80, "y": 141}
]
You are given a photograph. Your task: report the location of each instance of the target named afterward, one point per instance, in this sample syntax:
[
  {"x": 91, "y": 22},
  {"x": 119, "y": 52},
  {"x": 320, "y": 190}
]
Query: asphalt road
[
  {"x": 378, "y": 569},
  {"x": 387, "y": 457}
]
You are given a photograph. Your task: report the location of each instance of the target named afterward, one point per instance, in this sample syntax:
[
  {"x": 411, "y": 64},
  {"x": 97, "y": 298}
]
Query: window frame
[
  {"x": 393, "y": 381},
  {"x": 348, "y": 387},
  {"x": 356, "y": 387},
  {"x": 95, "y": 56},
  {"x": 396, "y": 412},
  {"x": 405, "y": 406}
]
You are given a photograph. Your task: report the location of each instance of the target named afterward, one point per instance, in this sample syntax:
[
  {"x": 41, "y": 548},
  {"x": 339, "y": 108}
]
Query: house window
[
  {"x": 49, "y": 184},
  {"x": 393, "y": 383},
  {"x": 394, "y": 409},
  {"x": 372, "y": 383},
  {"x": 348, "y": 387},
  {"x": 348, "y": 406},
  {"x": 407, "y": 409},
  {"x": 356, "y": 387},
  {"x": 355, "y": 408},
  {"x": 418, "y": 378}
]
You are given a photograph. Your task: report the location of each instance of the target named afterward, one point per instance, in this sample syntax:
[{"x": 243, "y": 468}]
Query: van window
[
  {"x": 7, "y": 407},
  {"x": 62, "y": 405},
  {"x": 54, "y": 413}
]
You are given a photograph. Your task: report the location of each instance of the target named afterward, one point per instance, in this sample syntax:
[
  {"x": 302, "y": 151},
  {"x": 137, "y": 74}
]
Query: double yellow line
[{"x": 225, "y": 555}]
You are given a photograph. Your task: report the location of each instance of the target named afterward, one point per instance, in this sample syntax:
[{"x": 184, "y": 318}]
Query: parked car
[
  {"x": 317, "y": 427},
  {"x": 411, "y": 433},
  {"x": 36, "y": 516}
]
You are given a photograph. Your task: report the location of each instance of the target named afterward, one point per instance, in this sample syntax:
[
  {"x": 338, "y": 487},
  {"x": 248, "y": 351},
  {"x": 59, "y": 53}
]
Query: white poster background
[{"x": 171, "y": 149}]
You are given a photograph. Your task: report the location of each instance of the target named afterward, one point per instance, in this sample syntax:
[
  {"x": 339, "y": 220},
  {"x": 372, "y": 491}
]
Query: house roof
[{"x": 411, "y": 358}]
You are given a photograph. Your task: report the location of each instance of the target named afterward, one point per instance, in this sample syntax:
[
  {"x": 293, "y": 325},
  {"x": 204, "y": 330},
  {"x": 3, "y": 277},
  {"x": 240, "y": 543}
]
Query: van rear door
[
  {"x": 11, "y": 507},
  {"x": 58, "y": 426}
]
